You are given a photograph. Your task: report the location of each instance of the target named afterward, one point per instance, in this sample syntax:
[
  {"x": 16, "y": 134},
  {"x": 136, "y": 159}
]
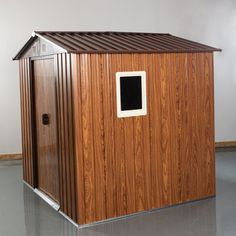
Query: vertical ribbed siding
[
  {"x": 26, "y": 121},
  {"x": 136, "y": 163},
  {"x": 65, "y": 135},
  {"x": 126, "y": 165},
  {"x": 65, "y": 130}
]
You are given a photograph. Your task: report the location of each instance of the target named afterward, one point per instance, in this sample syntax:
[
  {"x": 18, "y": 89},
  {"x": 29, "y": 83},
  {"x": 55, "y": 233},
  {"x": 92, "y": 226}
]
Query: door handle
[{"x": 45, "y": 119}]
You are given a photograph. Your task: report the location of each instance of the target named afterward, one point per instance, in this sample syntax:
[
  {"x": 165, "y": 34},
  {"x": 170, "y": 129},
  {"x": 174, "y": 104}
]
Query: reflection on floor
[{"x": 22, "y": 212}]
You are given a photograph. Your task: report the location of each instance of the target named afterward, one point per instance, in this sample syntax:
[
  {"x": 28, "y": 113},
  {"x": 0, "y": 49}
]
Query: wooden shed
[{"x": 117, "y": 123}]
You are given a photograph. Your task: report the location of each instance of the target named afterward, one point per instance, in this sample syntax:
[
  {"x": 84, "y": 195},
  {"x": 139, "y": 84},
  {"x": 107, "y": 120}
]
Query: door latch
[{"x": 45, "y": 119}]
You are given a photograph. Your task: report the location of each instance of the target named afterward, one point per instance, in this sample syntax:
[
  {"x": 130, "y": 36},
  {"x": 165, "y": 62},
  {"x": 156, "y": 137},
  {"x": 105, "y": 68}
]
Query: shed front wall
[
  {"x": 126, "y": 165},
  {"x": 63, "y": 78}
]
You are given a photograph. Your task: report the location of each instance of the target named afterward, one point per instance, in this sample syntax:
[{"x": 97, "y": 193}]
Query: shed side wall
[{"x": 126, "y": 165}]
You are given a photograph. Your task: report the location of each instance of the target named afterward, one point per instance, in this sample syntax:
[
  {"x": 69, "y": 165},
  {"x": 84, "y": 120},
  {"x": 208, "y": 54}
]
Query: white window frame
[{"x": 135, "y": 112}]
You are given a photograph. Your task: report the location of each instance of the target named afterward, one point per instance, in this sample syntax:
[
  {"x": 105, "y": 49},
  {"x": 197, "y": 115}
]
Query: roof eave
[
  {"x": 143, "y": 51},
  {"x": 25, "y": 47},
  {"x": 49, "y": 41},
  {"x": 32, "y": 39}
]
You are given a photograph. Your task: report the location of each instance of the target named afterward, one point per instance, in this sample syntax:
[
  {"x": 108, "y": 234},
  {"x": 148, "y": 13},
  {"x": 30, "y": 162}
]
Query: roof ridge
[{"x": 99, "y": 32}]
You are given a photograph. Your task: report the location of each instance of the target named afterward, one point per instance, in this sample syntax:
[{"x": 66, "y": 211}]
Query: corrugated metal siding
[
  {"x": 65, "y": 136},
  {"x": 138, "y": 163},
  {"x": 118, "y": 42},
  {"x": 65, "y": 131},
  {"x": 26, "y": 122}
]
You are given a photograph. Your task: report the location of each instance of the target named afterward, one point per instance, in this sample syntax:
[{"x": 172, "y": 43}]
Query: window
[{"x": 131, "y": 93}]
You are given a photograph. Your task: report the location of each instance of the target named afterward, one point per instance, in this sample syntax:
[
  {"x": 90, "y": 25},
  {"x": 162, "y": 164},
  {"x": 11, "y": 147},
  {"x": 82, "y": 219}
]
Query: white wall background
[{"x": 211, "y": 22}]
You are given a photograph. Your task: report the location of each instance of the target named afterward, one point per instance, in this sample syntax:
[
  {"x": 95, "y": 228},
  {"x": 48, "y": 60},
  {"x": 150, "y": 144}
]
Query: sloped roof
[{"x": 116, "y": 42}]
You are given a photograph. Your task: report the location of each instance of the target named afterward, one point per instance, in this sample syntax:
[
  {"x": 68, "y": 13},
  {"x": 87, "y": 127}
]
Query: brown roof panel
[{"x": 117, "y": 42}]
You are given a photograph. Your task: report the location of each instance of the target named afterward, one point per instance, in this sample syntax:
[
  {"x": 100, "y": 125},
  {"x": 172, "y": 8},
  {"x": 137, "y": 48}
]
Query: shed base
[
  {"x": 47, "y": 199},
  {"x": 140, "y": 213},
  {"x": 50, "y": 202},
  {"x": 115, "y": 218}
]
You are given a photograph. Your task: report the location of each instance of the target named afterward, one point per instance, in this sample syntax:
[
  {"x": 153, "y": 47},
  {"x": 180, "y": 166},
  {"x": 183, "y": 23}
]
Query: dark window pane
[{"x": 131, "y": 92}]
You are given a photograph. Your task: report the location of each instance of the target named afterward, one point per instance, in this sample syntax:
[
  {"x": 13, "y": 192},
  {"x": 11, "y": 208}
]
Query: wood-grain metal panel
[
  {"x": 67, "y": 180},
  {"x": 79, "y": 158},
  {"x": 126, "y": 165},
  {"x": 119, "y": 144},
  {"x": 109, "y": 136},
  {"x": 46, "y": 145},
  {"x": 98, "y": 127},
  {"x": 26, "y": 121}
]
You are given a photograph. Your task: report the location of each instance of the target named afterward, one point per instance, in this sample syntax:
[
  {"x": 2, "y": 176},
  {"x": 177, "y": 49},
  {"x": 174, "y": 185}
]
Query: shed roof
[{"x": 116, "y": 42}]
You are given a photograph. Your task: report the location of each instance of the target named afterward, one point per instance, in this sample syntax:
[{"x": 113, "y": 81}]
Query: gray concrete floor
[{"x": 22, "y": 212}]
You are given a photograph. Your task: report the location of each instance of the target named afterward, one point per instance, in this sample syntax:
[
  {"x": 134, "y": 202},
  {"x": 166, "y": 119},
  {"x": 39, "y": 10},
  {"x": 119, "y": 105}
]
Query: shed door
[{"x": 46, "y": 127}]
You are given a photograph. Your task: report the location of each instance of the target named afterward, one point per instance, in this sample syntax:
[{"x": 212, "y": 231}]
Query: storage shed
[{"x": 116, "y": 123}]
